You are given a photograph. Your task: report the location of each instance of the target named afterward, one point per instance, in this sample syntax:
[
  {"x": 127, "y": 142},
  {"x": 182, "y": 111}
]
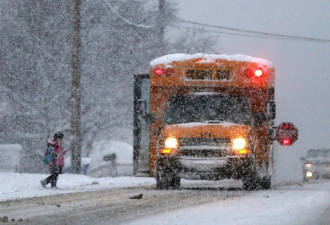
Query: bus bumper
[{"x": 211, "y": 168}]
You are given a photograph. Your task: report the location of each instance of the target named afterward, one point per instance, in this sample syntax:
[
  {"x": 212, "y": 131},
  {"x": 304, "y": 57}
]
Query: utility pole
[
  {"x": 160, "y": 25},
  {"x": 76, "y": 91}
]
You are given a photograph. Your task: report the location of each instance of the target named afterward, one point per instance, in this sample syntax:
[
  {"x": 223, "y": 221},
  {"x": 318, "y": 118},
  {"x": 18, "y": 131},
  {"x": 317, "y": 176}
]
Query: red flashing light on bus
[
  {"x": 286, "y": 126},
  {"x": 259, "y": 72},
  {"x": 159, "y": 71},
  {"x": 169, "y": 71},
  {"x": 286, "y": 142}
]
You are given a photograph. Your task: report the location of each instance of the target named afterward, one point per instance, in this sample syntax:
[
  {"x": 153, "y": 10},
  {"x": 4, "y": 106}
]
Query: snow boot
[{"x": 43, "y": 183}]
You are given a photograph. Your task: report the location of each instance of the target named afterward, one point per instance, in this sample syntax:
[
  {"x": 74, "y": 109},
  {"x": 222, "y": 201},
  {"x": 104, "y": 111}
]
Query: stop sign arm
[{"x": 286, "y": 133}]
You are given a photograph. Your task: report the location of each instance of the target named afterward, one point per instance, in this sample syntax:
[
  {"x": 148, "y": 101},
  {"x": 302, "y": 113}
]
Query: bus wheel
[
  {"x": 266, "y": 183},
  {"x": 175, "y": 182},
  {"x": 162, "y": 181},
  {"x": 254, "y": 182},
  {"x": 251, "y": 181},
  {"x": 250, "y": 185},
  {"x": 167, "y": 180}
]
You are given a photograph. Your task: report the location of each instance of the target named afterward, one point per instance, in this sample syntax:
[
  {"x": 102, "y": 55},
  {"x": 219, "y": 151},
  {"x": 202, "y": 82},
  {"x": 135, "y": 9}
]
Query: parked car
[
  {"x": 316, "y": 164},
  {"x": 84, "y": 165},
  {"x": 111, "y": 159},
  {"x": 10, "y": 156}
]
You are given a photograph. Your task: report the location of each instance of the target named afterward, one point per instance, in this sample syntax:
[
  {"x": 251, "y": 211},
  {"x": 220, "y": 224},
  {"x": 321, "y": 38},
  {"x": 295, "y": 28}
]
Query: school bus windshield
[{"x": 213, "y": 108}]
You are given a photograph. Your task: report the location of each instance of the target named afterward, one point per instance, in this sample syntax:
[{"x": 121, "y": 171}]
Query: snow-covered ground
[
  {"x": 307, "y": 203},
  {"x": 20, "y": 185}
]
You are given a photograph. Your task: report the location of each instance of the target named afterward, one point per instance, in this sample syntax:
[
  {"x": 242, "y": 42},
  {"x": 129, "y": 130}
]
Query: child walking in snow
[{"x": 57, "y": 164}]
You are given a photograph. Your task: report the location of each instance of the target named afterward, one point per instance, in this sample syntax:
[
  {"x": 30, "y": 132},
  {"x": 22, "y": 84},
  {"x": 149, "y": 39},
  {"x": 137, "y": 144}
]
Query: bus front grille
[{"x": 204, "y": 147}]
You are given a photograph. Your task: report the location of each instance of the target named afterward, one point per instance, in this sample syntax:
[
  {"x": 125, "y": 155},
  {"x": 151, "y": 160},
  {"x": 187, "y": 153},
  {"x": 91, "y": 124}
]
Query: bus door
[{"x": 140, "y": 126}]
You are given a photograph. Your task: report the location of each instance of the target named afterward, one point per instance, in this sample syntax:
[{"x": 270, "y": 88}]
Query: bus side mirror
[
  {"x": 148, "y": 117},
  {"x": 259, "y": 118},
  {"x": 271, "y": 110},
  {"x": 142, "y": 106}
]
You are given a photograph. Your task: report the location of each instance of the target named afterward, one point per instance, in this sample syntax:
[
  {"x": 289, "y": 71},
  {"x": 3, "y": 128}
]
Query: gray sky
[{"x": 302, "y": 67}]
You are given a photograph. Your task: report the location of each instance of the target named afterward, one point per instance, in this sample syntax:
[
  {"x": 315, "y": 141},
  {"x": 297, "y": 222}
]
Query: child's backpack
[{"x": 48, "y": 158}]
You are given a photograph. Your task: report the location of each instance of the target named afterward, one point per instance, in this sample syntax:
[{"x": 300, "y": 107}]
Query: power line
[
  {"x": 244, "y": 32},
  {"x": 231, "y": 33}
]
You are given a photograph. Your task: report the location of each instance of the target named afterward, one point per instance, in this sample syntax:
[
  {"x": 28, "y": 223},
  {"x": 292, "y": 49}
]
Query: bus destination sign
[{"x": 207, "y": 74}]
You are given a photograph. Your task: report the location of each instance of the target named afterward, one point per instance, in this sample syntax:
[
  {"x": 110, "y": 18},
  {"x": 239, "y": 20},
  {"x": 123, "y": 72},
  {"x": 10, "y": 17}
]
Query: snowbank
[
  {"x": 10, "y": 157},
  {"x": 20, "y": 185}
]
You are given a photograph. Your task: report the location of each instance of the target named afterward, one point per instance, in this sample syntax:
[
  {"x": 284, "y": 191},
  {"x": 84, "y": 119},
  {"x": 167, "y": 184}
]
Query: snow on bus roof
[{"x": 167, "y": 59}]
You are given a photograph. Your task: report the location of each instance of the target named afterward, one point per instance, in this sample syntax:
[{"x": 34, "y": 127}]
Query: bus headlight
[
  {"x": 309, "y": 174},
  {"x": 171, "y": 142},
  {"x": 238, "y": 143},
  {"x": 239, "y": 146},
  {"x": 170, "y": 147}
]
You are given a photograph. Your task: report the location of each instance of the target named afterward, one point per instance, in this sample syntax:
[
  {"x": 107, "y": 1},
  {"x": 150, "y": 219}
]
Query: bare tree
[
  {"x": 76, "y": 91},
  {"x": 52, "y": 76}
]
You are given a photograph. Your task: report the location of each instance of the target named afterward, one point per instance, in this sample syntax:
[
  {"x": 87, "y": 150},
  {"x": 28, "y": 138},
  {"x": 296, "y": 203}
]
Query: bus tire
[
  {"x": 254, "y": 182},
  {"x": 162, "y": 181},
  {"x": 166, "y": 180},
  {"x": 266, "y": 183},
  {"x": 175, "y": 182},
  {"x": 251, "y": 181}
]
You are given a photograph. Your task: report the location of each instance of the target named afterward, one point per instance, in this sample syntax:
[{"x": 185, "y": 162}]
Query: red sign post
[{"x": 286, "y": 134}]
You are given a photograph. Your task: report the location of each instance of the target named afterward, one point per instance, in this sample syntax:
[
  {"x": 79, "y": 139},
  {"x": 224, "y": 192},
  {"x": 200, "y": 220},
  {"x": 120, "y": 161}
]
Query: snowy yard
[{"x": 28, "y": 185}]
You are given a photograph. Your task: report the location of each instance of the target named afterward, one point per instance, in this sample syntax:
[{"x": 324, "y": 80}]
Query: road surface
[{"x": 118, "y": 206}]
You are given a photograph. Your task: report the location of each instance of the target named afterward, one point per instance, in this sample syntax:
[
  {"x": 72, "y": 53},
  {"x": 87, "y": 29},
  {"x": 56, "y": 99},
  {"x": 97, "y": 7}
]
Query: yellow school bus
[{"x": 207, "y": 117}]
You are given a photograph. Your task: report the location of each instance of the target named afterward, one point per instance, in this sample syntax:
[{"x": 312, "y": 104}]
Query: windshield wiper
[{"x": 190, "y": 113}]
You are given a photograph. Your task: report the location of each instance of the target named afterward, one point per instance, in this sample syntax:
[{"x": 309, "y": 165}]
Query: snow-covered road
[
  {"x": 223, "y": 202},
  {"x": 286, "y": 205}
]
